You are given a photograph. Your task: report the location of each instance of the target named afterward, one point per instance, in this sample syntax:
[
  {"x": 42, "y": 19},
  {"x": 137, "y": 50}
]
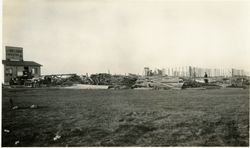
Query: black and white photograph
[{"x": 125, "y": 73}]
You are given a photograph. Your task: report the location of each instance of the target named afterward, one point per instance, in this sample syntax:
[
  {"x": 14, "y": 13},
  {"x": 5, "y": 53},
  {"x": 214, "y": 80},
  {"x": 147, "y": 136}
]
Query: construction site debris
[
  {"x": 123, "y": 82},
  {"x": 191, "y": 83},
  {"x": 100, "y": 79},
  {"x": 132, "y": 81},
  {"x": 240, "y": 82},
  {"x": 159, "y": 82}
]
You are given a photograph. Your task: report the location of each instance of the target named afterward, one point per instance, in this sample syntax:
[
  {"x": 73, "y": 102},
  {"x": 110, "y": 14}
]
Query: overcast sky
[{"x": 80, "y": 36}]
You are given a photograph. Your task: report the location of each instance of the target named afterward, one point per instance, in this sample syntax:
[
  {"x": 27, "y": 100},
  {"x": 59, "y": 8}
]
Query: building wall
[
  {"x": 9, "y": 72},
  {"x": 14, "y": 71}
]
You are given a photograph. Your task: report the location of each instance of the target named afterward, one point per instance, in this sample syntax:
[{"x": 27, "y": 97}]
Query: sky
[{"x": 123, "y": 36}]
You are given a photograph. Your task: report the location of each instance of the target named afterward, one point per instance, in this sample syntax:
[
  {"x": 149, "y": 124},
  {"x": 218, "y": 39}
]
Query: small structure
[{"x": 15, "y": 66}]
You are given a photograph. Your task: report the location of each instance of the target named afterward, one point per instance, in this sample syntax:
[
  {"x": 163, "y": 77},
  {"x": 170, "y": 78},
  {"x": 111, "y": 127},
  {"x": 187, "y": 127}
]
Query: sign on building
[{"x": 14, "y": 53}]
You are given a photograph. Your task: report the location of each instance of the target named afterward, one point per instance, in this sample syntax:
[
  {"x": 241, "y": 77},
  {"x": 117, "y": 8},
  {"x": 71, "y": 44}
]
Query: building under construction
[{"x": 190, "y": 71}]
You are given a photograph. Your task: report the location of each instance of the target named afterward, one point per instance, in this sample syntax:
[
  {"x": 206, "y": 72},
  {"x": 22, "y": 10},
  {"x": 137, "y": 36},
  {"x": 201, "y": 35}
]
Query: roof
[{"x": 20, "y": 63}]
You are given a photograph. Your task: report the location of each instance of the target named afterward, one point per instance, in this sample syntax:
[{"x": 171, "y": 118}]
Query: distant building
[
  {"x": 196, "y": 72},
  {"x": 237, "y": 72},
  {"x": 146, "y": 71},
  {"x": 15, "y": 66}
]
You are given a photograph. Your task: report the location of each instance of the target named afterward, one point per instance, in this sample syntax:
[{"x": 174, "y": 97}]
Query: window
[
  {"x": 34, "y": 70},
  {"x": 19, "y": 73}
]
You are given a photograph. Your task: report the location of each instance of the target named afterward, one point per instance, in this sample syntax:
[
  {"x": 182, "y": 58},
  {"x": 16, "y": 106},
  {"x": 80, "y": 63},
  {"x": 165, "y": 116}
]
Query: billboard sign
[{"x": 14, "y": 53}]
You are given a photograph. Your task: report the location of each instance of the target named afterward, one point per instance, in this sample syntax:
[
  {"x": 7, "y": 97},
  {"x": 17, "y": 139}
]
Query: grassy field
[{"x": 218, "y": 117}]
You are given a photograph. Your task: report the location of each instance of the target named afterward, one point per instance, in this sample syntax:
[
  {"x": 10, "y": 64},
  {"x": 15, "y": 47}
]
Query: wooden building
[{"x": 15, "y": 66}]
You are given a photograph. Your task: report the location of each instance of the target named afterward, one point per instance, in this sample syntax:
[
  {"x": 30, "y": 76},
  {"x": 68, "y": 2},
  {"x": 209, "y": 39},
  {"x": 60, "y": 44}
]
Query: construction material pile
[
  {"x": 58, "y": 80},
  {"x": 159, "y": 82},
  {"x": 64, "y": 80},
  {"x": 191, "y": 83},
  {"x": 100, "y": 79},
  {"x": 85, "y": 79},
  {"x": 114, "y": 81},
  {"x": 74, "y": 79},
  {"x": 123, "y": 82},
  {"x": 240, "y": 82},
  {"x": 217, "y": 82}
]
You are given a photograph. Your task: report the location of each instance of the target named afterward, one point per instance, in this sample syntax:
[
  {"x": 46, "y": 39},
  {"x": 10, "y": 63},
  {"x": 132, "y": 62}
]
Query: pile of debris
[
  {"x": 65, "y": 80},
  {"x": 240, "y": 82},
  {"x": 159, "y": 82},
  {"x": 100, "y": 79},
  {"x": 218, "y": 82},
  {"x": 191, "y": 83},
  {"x": 123, "y": 82},
  {"x": 114, "y": 81},
  {"x": 57, "y": 80}
]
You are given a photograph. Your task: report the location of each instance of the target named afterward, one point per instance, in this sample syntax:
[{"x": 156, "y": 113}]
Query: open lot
[{"x": 217, "y": 117}]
